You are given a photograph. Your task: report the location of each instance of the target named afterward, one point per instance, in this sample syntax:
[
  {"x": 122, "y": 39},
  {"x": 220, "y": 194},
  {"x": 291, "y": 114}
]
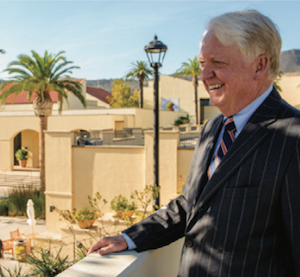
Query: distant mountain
[
  {"x": 106, "y": 84},
  {"x": 290, "y": 61}
]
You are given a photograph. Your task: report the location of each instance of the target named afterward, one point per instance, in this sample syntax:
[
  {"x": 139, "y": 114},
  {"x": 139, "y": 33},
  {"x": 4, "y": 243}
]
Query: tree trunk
[
  {"x": 43, "y": 127},
  {"x": 141, "y": 81},
  {"x": 42, "y": 109},
  {"x": 195, "y": 83}
]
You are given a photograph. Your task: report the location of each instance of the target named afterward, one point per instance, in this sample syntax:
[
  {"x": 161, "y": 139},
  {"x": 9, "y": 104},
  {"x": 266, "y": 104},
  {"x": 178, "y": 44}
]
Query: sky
[{"x": 104, "y": 38}]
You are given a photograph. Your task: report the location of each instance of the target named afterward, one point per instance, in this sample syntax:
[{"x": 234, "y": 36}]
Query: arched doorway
[{"x": 29, "y": 140}]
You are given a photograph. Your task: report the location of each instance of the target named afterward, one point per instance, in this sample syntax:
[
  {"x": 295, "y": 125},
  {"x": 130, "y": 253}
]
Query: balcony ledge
[{"x": 160, "y": 263}]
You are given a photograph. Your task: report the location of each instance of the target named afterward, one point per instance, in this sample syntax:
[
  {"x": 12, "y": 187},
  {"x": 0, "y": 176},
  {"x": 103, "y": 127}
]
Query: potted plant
[
  {"x": 185, "y": 119},
  {"x": 122, "y": 207},
  {"x": 21, "y": 156},
  {"x": 182, "y": 120},
  {"x": 85, "y": 217}
]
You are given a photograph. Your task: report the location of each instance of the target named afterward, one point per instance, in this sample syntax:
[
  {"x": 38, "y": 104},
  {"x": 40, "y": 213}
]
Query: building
[
  {"x": 180, "y": 93},
  {"x": 21, "y": 126}
]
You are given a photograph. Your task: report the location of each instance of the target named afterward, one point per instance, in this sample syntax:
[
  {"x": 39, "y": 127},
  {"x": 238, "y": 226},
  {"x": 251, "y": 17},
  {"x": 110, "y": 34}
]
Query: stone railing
[{"x": 159, "y": 263}]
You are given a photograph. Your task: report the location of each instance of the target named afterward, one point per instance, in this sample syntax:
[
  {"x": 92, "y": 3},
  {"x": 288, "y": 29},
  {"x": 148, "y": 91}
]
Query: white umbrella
[{"x": 30, "y": 213}]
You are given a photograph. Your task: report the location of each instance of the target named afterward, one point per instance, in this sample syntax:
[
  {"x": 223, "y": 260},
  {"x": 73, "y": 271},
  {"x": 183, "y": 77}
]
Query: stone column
[
  {"x": 168, "y": 161},
  {"x": 59, "y": 181},
  {"x": 6, "y": 154}
]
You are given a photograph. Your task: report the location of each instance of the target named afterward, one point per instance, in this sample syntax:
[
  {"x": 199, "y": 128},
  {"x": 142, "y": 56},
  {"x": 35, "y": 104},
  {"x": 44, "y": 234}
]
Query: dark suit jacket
[{"x": 246, "y": 221}]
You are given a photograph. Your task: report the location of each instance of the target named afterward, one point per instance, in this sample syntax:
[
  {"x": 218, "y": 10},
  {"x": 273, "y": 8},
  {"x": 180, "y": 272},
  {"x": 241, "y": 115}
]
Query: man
[{"x": 239, "y": 210}]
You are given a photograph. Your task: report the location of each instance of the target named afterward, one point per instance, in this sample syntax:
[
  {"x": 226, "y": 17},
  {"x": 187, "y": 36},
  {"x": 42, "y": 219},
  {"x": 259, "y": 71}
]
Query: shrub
[
  {"x": 47, "y": 265},
  {"x": 4, "y": 207},
  {"x": 121, "y": 203},
  {"x": 18, "y": 197}
]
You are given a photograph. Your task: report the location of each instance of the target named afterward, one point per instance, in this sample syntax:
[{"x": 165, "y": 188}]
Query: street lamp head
[{"x": 156, "y": 52}]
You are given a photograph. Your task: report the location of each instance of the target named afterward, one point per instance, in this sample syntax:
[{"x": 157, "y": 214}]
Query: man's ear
[{"x": 262, "y": 65}]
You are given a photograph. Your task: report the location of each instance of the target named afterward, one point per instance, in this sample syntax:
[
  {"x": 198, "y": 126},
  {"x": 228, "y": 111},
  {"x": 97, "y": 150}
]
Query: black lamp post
[{"x": 156, "y": 52}]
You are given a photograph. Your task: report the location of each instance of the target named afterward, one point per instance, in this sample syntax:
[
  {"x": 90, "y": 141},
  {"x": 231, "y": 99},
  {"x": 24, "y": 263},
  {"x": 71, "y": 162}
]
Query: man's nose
[{"x": 207, "y": 72}]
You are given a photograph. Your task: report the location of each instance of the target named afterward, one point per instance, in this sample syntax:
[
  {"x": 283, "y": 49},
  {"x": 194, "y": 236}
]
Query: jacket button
[{"x": 189, "y": 243}]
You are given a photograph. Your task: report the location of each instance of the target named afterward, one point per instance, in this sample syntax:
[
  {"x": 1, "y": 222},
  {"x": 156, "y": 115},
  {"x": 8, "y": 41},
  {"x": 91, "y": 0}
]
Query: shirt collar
[{"x": 241, "y": 118}]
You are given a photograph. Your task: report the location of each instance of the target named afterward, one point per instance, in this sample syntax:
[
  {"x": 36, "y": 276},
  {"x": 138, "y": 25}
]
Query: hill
[
  {"x": 106, "y": 84},
  {"x": 290, "y": 61}
]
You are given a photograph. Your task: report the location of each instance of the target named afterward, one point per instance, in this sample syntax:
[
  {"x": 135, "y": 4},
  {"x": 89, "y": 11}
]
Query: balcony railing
[
  {"x": 188, "y": 139},
  {"x": 134, "y": 136},
  {"x": 159, "y": 263}
]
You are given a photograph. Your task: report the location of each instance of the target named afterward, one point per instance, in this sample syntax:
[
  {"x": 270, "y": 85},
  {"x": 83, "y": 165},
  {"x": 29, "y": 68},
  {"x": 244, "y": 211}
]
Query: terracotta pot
[
  {"x": 22, "y": 163},
  {"x": 85, "y": 224},
  {"x": 124, "y": 214}
]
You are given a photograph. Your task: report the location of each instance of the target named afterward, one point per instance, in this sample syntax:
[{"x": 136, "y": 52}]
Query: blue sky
[{"x": 103, "y": 38}]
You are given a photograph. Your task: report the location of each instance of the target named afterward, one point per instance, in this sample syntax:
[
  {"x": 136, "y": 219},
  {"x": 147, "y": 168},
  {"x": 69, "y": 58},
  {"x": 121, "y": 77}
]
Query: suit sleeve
[
  {"x": 168, "y": 223},
  {"x": 290, "y": 210}
]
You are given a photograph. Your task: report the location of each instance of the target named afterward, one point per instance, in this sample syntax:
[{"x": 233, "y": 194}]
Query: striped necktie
[{"x": 226, "y": 142}]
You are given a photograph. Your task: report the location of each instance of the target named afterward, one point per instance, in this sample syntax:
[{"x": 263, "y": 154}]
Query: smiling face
[{"x": 230, "y": 80}]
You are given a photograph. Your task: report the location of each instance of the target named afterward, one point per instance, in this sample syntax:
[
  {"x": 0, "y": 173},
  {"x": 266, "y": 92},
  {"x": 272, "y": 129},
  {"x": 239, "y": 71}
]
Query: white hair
[{"x": 252, "y": 32}]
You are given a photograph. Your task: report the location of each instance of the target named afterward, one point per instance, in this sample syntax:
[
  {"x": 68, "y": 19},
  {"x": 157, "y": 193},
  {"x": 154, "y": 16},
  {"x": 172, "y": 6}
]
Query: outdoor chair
[
  {"x": 14, "y": 234},
  {"x": 8, "y": 245}
]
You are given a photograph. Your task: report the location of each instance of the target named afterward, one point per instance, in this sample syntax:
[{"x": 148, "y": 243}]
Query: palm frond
[
  {"x": 41, "y": 75},
  {"x": 61, "y": 74},
  {"x": 191, "y": 68},
  {"x": 139, "y": 69}
]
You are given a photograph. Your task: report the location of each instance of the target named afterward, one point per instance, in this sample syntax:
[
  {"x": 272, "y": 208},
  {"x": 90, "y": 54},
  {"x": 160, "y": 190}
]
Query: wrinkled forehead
[
  {"x": 201, "y": 40},
  {"x": 210, "y": 43}
]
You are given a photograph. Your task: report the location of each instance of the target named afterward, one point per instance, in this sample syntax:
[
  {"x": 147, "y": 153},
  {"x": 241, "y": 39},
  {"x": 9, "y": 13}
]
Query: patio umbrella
[{"x": 30, "y": 213}]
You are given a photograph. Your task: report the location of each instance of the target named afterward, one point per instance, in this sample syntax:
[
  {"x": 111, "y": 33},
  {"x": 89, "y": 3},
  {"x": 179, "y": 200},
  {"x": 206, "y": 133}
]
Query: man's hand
[{"x": 109, "y": 245}]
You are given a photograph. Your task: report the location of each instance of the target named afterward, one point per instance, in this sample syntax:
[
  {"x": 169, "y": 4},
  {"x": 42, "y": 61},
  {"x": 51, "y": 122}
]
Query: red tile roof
[
  {"x": 22, "y": 97},
  {"x": 99, "y": 93}
]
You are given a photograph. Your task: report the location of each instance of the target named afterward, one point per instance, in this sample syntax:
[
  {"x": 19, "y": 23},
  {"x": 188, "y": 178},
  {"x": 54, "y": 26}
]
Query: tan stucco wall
[
  {"x": 168, "y": 159},
  {"x": 290, "y": 91},
  {"x": 15, "y": 122},
  {"x": 12, "y": 126},
  {"x": 170, "y": 87},
  {"x": 99, "y": 103},
  {"x": 59, "y": 176},
  {"x": 184, "y": 159},
  {"x": 108, "y": 170},
  {"x": 75, "y": 172},
  {"x": 6, "y": 153}
]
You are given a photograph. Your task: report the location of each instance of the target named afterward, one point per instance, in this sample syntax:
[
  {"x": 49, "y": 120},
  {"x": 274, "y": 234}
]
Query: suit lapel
[
  {"x": 252, "y": 135},
  {"x": 204, "y": 154}
]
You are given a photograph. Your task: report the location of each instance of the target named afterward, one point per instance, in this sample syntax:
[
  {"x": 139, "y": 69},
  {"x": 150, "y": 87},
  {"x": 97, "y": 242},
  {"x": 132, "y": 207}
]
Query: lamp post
[{"x": 156, "y": 52}]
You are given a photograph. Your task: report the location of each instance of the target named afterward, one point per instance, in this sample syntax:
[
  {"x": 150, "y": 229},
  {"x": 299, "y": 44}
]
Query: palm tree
[
  {"x": 192, "y": 68},
  {"x": 139, "y": 71},
  {"x": 2, "y": 51},
  {"x": 40, "y": 76}
]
